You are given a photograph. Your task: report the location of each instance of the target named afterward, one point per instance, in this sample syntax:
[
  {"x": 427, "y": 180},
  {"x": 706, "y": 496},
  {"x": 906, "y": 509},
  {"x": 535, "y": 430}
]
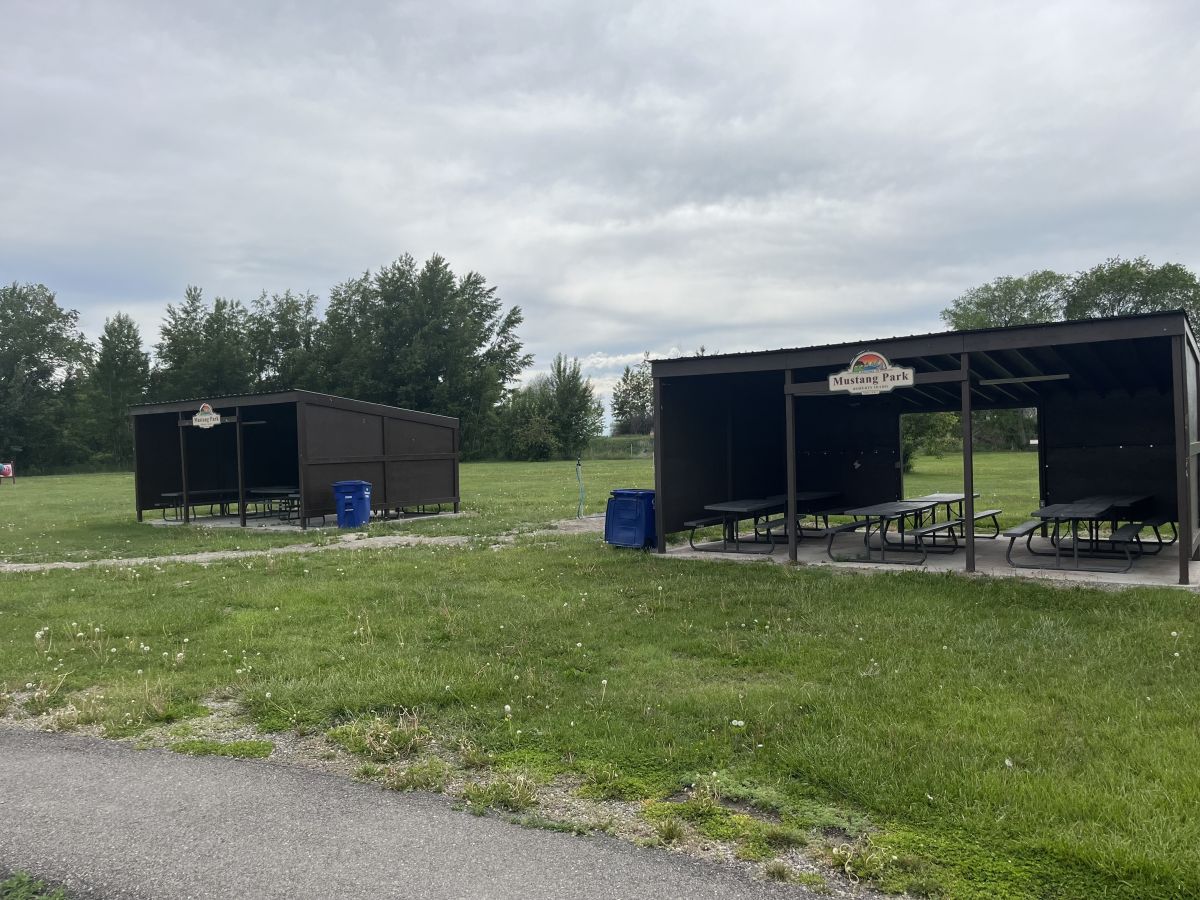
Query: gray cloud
[{"x": 635, "y": 176}]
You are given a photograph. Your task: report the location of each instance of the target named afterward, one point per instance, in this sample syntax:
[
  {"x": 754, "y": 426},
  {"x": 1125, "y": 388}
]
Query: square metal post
[
  {"x": 660, "y": 537},
  {"x": 968, "y": 464},
  {"x": 1183, "y": 494},
  {"x": 183, "y": 427},
  {"x": 241, "y": 469},
  {"x": 789, "y": 410}
]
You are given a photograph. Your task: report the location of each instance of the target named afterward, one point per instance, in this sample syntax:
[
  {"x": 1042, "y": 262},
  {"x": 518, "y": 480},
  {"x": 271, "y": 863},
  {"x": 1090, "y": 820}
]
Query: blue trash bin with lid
[
  {"x": 353, "y": 499},
  {"x": 629, "y": 519}
]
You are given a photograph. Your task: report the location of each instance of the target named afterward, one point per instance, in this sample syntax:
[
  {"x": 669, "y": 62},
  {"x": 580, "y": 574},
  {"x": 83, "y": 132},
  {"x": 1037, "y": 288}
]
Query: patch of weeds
[
  {"x": 383, "y": 739},
  {"x": 45, "y": 698},
  {"x": 754, "y": 839},
  {"x": 778, "y": 870},
  {"x": 670, "y": 830},
  {"x": 545, "y": 824},
  {"x": 540, "y": 763},
  {"x": 609, "y": 783},
  {"x": 182, "y": 730},
  {"x": 515, "y": 793},
  {"x": 472, "y": 756},
  {"x": 240, "y": 749},
  {"x": 814, "y": 881},
  {"x": 429, "y": 774},
  {"x": 126, "y": 709},
  {"x": 762, "y": 840},
  {"x": 5, "y": 702},
  {"x": 20, "y": 886},
  {"x": 368, "y": 772},
  {"x": 866, "y": 859}
]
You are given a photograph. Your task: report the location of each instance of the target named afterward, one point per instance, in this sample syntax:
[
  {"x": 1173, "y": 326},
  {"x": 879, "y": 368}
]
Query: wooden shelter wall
[
  {"x": 269, "y": 449},
  {"x": 212, "y": 457},
  {"x": 156, "y": 442},
  {"x": 319, "y": 479},
  {"x": 408, "y": 462},
  {"x": 1112, "y": 443},
  {"x": 341, "y": 433},
  {"x": 758, "y": 420},
  {"x": 850, "y": 445},
  {"x": 694, "y": 450},
  {"x": 402, "y": 436},
  {"x": 1193, "y": 411}
]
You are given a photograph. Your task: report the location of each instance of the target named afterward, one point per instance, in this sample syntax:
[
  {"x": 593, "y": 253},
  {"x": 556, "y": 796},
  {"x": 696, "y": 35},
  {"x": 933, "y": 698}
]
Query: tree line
[
  {"x": 425, "y": 338},
  {"x": 409, "y": 335}
]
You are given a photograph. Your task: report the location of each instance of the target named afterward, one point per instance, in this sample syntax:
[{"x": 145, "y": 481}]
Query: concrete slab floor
[{"x": 1161, "y": 570}]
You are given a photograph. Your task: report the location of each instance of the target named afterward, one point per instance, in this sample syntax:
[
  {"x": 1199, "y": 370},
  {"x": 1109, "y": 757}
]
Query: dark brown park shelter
[
  {"x": 295, "y": 441},
  {"x": 1116, "y": 401}
]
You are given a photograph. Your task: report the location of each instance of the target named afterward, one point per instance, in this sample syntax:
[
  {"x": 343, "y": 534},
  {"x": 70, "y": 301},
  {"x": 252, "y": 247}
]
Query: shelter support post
[
  {"x": 789, "y": 411},
  {"x": 137, "y": 473},
  {"x": 661, "y": 538},
  {"x": 728, "y": 442},
  {"x": 968, "y": 464},
  {"x": 241, "y": 469},
  {"x": 183, "y": 470},
  {"x": 1183, "y": 458},
  {"x": 302, "y": 463}
]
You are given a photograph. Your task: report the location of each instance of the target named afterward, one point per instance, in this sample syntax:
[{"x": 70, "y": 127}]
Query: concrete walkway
[{"x": 109, "y": 821}]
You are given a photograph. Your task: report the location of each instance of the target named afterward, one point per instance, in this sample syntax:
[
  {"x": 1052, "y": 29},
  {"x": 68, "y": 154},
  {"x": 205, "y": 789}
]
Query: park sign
[
  {"x": 871, "y": 373},
  {"x": 206, "y": 418}
]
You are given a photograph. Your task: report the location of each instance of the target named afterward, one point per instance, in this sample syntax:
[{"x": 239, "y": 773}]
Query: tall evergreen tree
[
  {"x": 577, "y": 413},
  {"x": 281, "y": 340},
  {"x": 118, "y": 379},
  {"x": 633, "y": 399},
  {"x": 203, "y": 351}
]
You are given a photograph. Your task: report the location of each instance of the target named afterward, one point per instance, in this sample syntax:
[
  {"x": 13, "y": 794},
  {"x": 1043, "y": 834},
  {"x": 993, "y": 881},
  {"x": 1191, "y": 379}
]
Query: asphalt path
[{"x": 108, "y": 821}]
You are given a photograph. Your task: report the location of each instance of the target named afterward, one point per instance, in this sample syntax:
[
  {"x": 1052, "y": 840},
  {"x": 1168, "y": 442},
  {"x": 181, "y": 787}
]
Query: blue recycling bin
[
  {"x": 629, "y": 519},
  {"x": 353, "y": 500}
]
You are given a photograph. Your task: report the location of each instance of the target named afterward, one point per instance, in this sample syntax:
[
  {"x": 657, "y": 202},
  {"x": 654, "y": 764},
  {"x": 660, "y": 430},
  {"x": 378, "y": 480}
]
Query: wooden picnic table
[
  {"x": 880, "y": 515},
  {"x": 734, "y": 511}
]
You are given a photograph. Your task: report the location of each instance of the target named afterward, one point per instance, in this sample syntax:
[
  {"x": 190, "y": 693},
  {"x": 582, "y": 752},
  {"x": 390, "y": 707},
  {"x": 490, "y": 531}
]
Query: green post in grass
[{"x": 579, "y": 478}]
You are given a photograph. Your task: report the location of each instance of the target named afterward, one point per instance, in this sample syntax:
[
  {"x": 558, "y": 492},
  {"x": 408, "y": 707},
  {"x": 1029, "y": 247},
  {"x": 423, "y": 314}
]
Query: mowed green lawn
[
  {"x": 1006, "y": 481},
  {"x": 81, "y": 517},
  {"x": 974, "y": 737}
]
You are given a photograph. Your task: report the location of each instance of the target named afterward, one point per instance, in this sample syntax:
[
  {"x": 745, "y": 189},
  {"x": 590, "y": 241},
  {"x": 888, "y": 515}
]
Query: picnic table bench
[
  {"x": 880, "y": 517},
  {"x": 1124, "y": 543}
]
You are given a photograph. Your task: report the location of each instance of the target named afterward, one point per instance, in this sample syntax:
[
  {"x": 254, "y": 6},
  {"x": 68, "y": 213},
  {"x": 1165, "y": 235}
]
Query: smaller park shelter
[
  {"x": 298, "y": 441},
  {"x": 1116, "y": 400}
]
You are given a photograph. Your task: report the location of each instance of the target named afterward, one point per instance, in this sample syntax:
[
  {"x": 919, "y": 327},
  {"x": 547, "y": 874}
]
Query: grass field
[
  {"x": 80, "y": 517},
  {"x": 961, "y": 737}
]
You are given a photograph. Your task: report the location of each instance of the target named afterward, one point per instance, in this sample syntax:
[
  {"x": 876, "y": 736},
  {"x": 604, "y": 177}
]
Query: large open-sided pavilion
[
  {"x": 290, "y": 447},
  {"x": 1116, "y": 403}
]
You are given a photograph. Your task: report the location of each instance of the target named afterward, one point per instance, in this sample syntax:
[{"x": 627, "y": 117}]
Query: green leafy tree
[
  {"x": 577, "y": 414},
  {"x": 1032, "y": 298},
  {"x": 633, "y": 400},
  {"x": 203, "y": 351},
  {"x": 118, "y": 379},
  {"x": 43, "y": 358},
  {"x": 525, "y": 427},
  {"x": 424, "y": 339},
  {"x": 1122, "y": 286},
  {"x": 281, "y": 339}
]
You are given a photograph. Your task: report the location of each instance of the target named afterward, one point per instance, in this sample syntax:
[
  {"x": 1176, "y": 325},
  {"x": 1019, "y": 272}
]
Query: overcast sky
[{"x": 635, "y": 176}]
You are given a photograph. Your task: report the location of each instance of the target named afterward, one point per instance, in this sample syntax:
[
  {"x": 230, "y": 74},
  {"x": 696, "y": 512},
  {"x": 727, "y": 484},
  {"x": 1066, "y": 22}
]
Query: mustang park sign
[{"x": 871, "y": 373}]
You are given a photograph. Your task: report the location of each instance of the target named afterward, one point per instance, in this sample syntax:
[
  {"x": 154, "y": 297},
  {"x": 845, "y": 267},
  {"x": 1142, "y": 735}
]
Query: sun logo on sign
[{"x": 868, "y": 362}]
